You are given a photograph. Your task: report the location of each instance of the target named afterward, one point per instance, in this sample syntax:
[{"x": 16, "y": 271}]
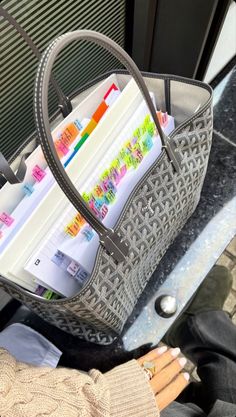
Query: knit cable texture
[{"x": 27, "y": 391}]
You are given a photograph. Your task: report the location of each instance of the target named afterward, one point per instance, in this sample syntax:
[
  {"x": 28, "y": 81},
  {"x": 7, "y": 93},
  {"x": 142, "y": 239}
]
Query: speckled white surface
[{"x": 185, "y": 278}]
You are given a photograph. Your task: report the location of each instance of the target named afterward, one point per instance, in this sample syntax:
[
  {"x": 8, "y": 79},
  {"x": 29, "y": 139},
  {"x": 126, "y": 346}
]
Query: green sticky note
[
  {"x": 110, "y": 195},
  {"x": 147, "y": 120},
  {"x": 86, "y": 197},
  {"x": 151, "y": 128},
  {"x": 128, "y": 159},
  {"x": 48, "y": 294},
  {"x": 81, "y": 142},
  {"x": 137, "y": 133}
]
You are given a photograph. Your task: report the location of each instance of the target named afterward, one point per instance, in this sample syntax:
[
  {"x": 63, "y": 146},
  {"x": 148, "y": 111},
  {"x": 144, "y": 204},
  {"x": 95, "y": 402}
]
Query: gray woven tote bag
[{"x": 128, "y": 255}]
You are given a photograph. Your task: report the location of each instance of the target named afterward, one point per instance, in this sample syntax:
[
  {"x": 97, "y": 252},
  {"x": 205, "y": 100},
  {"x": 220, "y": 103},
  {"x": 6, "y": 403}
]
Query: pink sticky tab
[
  {"x": 62, "y": 147},
  {"x": 123, "y": 171},
  {"x": 6, "y": 219},
  {"x": 38, "y": 173},
  {"x": 73, "y": 268},
  {"x": 164, "y": 119}
]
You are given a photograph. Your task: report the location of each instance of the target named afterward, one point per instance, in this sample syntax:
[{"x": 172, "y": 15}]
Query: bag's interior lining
[
  {"x": 179, "y": 99},
  {"x": 186, "y": 100}
]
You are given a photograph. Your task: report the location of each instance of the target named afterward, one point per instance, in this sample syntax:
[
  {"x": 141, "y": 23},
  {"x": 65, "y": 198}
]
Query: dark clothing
[{"x": 208, "y": 339}]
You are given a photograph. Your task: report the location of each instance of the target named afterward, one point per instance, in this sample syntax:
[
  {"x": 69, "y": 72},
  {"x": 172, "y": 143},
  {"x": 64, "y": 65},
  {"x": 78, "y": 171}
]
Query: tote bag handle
[
  {"x": 112, "y": 242},
  {"x": 64, "y": 105}
]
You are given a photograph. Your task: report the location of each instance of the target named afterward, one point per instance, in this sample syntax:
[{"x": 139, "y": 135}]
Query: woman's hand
[{"x": 169, "y": 380}]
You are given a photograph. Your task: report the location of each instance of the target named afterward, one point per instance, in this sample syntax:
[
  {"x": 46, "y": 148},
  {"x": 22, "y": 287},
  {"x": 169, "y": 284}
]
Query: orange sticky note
[
  {"x": 159, "y": 116},
  {"x": 79, "y": 219},
  {"x": 69, "y": 134},
  {"x": 100, "y": 111},
  {"x": 72, "y": 229}
]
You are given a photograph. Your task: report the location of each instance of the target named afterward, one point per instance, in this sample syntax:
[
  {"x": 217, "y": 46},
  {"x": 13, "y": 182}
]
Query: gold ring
[
  {"x": 148, "y": 373},
  {"x": 149, "y": 368}
]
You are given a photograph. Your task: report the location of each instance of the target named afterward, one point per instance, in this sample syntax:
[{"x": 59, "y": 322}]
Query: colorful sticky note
[
  {"x": 115, "y": 175},
  {"x": 70, "y": 158},
  {"x": 159, "y": 116},
  {"x": 128, "y": 145},
  {"x": 111, "y": 186},
  {"x": 98, "y": 203},
  {"x": 110, "y": 196},
  {"x": 123, "y": 170},
  {"x": 104, "y": 184},
  {"x": 143, "y": 129},
  {"x": 104, "y": 211},
  {"x": 151, "y": 128},
  {"x": 40, "y": 290},
  {"x": 78, "y": 124},
  {"x": 6, "y": 219},
  {"x": 98, "y": 191},
  {"x": 69, "y": 134},
  {"x": 62, "y": 148},
  {"x": 105, "y": 175},
  {"x": 89, "y": 128},
  {"x": 72, "y": 229},
  {"x": 73, "y": 268},
  {"x": 94, "y": 209},
  {"x": 102, "y": 108},
  {"x": 164, "y": 119},
  {"x": 115, "y": 163},
  {"x": 147, "y": 120},
  {"x": 137, "y": 133},
  {"x": 81, "y": 142},
  {"x": 79, "y": 219},
  {"x": 88, "y": 233},
  {"x": 28, "y": 189},
  {"x": 38, "y": 173},
  {"x": 48, "y": 294},
  {"x": 146, "y": 143},
  {"x": 86, "y": 197},
  {"x": 128, "y": 159},
  {"x": 138, "y": 155},
  {"x": 134, "y": 141}
]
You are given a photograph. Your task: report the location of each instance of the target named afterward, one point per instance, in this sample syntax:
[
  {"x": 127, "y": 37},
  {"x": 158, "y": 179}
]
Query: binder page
[{"x": 54, "y": 203}]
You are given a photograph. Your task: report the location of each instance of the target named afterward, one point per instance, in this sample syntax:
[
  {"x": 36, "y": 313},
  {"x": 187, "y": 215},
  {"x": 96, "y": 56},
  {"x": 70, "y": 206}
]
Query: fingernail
[
  {"x": 182, "y": 361},
  {"x": 161, "y": 350},
  {"x": 186, "y": 376},
  {"x": 175, "y": 352}
]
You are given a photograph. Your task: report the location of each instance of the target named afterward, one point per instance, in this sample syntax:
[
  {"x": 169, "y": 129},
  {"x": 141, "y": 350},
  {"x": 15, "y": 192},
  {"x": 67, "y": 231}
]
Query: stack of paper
[{"x": 105, "y": 147}]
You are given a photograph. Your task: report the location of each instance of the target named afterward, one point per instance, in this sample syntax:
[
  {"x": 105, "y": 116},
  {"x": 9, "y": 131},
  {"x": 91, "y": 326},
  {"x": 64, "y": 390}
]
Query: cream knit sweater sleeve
[{"x": 27, "y": 391}]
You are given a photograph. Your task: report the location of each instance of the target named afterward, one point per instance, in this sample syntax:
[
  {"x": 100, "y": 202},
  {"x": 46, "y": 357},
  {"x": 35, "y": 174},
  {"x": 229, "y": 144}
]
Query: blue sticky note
[
  {"x": 70, "y": 158},
  {"x": 88, "y": 233},
  {"x": 28, "y": 189}
]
